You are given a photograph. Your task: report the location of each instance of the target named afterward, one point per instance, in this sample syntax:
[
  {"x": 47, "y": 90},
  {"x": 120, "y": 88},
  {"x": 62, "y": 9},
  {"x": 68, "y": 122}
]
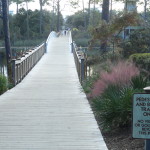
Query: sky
[{"x": 66, "y": 9}]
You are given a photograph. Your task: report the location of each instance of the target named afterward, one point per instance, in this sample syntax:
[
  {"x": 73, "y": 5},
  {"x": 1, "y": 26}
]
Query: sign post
[
  {"x": 147, "y": 142},
  {"x": 141, "y": 117}
]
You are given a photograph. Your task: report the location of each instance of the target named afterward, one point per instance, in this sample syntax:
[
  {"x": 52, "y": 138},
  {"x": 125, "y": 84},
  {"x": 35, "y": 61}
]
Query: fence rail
[
  {"x": 22, "y": 66},
  {"x": 79, "y": 60}
]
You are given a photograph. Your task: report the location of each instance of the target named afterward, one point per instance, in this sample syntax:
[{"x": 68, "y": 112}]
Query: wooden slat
[{"x": 48, "y": 110}]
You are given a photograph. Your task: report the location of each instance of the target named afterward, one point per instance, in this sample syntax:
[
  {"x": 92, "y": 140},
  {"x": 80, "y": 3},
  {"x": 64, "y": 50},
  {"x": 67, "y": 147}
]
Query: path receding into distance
[{"x": 48, "y": 109}]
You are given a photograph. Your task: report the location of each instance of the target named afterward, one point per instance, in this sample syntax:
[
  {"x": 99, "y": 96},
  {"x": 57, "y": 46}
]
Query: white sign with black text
[{"x": 141, "y": 116}]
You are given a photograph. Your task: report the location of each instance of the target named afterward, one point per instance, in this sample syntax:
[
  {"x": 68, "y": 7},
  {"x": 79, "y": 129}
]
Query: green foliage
[
  {"x": 28, "y": 43},
  {"x": 80, "y": 19},
  {"x": 3, "y": 84},
  {"x": 88, "y": 83},
  {"x": 106, "y": 30},
  {"x": 80, "y": 37},
  {"x": 112, "y": 103},
  {"x": 139, "y": 82},
  {"x": 142, "y": 60},
  {"x": 18, "y": 24},
  {"x": 77, "y": 20},
  {"x": 138, "y": 42},
  {"x": 114, "y": 106},
  {"x": 96, "y": 57}
]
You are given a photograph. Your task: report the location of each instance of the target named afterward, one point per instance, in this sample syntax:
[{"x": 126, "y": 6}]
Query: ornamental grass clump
[{"x": 120, "y": 75}]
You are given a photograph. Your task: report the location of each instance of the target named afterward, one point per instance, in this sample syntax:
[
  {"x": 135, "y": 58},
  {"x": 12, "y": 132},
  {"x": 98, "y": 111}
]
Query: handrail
[
  {"x": 51, "y": 35},
  {"x": 79, "y": 60},
  {"x": 22, "y": 66}
]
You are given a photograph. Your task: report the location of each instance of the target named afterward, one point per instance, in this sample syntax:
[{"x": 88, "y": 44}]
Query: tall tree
[
  {"x": 7, "y": 38},
  {"x": 105, "y": 10},
  {"x": 89, "y": 11},
  {"x": 27, "y": 19},
  {"x": 85, "y": 24},
  {"x": 58, "y": 15},
  {"x": 18, "y": 2},
  {"x": 42, "y": 3},
  {"x": 105, "y": 17},
  {"x": 145, "y": 8}
]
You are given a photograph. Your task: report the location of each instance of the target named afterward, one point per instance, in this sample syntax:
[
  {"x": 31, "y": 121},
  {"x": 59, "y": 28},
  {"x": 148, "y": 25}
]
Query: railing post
[
  {"x": 14, "y": 71},
  {"x": 82, "y": 74},
  {"x": 45, "y": 46},
  {"x": 72, "y": 47},
  {"x": 147, "y": 141}
]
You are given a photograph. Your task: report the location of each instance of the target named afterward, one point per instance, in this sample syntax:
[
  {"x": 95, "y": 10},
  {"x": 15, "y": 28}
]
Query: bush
[
  {"x": 81, "y": 37},
  {"x": 141, "y": 59},
  {"x": 81, "y": 42},
  {"x": 28, "y": 43},
  {"x": 3, "y": 84},
  {"x": 138, "y": 42},
  {"x": 139, "y": 82},
  {"x": 88, "y": 83},
  {"x": 120, "y": 75},
  {"x": 113, "y": 107},
  {"x": 112, "y": 94}
]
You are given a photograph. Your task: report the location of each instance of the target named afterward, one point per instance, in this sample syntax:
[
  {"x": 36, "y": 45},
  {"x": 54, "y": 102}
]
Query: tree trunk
[
  {"x": 105, "y": 17},
  {"x": 52, "y": 24},
  {"x": 89, "y": 11},
  {"x": 58, "y": 16},
  {"x": 41, "y": 17},
  {"x": 110, "y": 16},
  {"x": 7, "y": 39},
  {"x": 145, "y": 9},
  {"x": 93, "y": 14},
  {"x": 105, "y": 10},
  {"x": 27, "y": 20},
  {"x": 84, "y": 14},
  {"x": 17, "y": 7}
]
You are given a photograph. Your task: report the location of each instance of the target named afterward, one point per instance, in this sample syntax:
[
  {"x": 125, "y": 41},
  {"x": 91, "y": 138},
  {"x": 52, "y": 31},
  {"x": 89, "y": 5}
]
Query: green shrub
[
  {"x": 138, "y": 42},
  {"x": 142, "y": 60},
  {"x": 139, "y": 82},
  {"x": 3, "y": 84},
  {"x": 88, "y": 83},
  {"x": 81, "y": 42},
  {"x": 114, "y": 106},
  {"x": 28, "y": 43}
]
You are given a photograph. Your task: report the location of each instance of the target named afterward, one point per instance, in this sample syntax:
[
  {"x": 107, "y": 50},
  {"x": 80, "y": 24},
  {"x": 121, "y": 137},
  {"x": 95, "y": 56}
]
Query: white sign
[{"x": 141, "y": 116}]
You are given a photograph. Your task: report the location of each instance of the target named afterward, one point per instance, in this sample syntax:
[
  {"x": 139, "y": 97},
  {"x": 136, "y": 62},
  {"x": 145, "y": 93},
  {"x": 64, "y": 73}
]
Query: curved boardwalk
[{"x": 48, "y": 110}]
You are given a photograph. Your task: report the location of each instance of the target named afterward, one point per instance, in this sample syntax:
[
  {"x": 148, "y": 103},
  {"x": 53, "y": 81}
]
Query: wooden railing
[
  {"x": 79, "y": 60},
  {"x": 22, "y": 66}
]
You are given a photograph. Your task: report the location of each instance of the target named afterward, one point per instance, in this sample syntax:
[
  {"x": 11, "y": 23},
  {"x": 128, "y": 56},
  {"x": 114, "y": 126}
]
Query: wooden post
[
  {"x": 45, "y": 47},
  {"x": 82, "y": 74},
  {"x": 147, "y": 141},
  {"x": 14, "y": 71}
]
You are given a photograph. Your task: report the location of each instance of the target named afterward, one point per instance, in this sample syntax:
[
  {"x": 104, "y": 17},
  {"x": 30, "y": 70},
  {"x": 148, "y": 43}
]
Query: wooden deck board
[{"x": 48, "y": 110}]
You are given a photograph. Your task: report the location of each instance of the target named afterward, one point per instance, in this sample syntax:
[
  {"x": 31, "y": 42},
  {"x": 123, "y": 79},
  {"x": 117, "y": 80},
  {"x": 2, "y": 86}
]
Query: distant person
[{"x": 65, "y": 32}]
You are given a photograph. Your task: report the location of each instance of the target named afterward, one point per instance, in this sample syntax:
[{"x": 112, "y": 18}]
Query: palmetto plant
[
  {"x": 114, "y": 106},
  {"x": 139, "y": 82}
]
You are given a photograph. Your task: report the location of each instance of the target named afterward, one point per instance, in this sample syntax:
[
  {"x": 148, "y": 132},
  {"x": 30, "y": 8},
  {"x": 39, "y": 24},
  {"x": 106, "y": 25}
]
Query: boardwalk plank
[{"x": 48, "y": 110}]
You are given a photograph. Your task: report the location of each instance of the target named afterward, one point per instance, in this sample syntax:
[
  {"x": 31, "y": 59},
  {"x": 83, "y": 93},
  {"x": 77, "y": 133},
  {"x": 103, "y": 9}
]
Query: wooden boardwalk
[{"x": 48, "y": 110}]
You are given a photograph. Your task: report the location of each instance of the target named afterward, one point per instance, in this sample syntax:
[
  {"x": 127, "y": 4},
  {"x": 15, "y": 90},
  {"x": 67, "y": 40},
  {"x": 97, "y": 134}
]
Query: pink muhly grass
[{"x": 121, "y": 74}]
